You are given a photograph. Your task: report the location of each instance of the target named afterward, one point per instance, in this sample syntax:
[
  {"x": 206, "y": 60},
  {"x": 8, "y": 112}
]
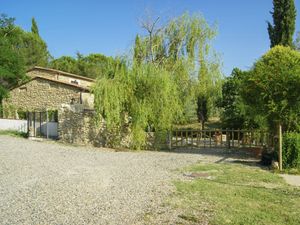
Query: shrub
[
  {"x": 291, "y": 150},
  {"x": 22, "y": 114}
]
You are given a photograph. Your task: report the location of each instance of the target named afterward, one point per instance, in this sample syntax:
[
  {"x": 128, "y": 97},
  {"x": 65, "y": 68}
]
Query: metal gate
[{"x": 43, "y": 124}]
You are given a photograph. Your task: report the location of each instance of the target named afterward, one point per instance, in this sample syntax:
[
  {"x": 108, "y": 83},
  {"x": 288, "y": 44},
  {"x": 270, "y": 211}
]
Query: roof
[
  {"x": 60, "y": 72},
  {"x": 53, "y": 80}
]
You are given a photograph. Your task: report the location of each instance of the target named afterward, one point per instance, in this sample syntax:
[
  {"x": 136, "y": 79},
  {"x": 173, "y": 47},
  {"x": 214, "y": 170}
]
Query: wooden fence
[{"x": 219, "y": 138}]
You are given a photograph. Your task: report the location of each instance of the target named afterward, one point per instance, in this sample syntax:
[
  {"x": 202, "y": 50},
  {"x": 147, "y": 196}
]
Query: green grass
[
  {"x": 237, "y": 194},
  {"x": 292, "y": 171},
  {"x": 13, "y": 133}
]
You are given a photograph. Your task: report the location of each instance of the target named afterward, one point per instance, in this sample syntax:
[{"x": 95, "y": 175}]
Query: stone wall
[
  {"x": 78, "y": 125},
  {"x": 38, "y": 95}
]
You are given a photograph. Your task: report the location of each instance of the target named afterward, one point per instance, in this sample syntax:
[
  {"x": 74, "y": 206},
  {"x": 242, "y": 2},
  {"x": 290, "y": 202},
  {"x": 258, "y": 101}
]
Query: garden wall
[
  {"x": 15, "y": 125},
  {"x": 78, "y": 125}
]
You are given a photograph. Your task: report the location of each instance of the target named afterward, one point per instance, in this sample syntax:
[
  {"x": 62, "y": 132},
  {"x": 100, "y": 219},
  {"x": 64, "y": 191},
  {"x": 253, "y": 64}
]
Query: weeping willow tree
[
  {"x": 171, "y": 67},
  {"x": 146, "y": 94},
  {"x": 183, "y": 47}
]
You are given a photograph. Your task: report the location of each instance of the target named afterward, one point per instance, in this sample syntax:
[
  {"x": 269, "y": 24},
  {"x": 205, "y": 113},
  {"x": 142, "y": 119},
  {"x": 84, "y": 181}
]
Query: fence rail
[{"x": 214, "y": 138}]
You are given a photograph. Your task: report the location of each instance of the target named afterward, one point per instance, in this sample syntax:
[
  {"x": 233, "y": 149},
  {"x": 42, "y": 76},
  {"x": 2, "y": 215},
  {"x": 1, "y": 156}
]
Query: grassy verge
[
  {"x": 292, "y": 171},
  {"x": 235, "y": 194},
  {"x": 13, "y": 133}
]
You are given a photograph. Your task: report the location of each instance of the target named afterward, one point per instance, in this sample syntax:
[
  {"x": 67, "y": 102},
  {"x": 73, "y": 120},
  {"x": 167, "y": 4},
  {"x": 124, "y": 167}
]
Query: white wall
[
  {"x": 21, "y": 126},
  {"x": 17, "y": 125},
  {"x": 44, "y": 128},
  {"x": 51, "y": 128}
]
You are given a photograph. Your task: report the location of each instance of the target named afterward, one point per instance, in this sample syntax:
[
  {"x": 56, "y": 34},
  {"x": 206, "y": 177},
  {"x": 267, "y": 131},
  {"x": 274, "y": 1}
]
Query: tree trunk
[{"x": 202, "y": 124}]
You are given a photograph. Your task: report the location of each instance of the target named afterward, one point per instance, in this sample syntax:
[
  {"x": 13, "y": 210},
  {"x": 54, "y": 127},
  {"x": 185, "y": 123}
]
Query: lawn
[{"x": 236, "y": 194}]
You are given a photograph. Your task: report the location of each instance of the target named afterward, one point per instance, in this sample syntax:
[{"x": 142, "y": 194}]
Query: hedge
[{"x": 291, "y": 150}]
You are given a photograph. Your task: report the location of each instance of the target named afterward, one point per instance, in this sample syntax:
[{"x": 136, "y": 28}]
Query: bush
[{"x": 291, "y": 150}]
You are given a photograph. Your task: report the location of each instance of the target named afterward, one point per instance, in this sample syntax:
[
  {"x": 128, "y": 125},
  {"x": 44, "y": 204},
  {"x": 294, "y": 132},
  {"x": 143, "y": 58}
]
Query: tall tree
[
  {"x": 235, "y": 114},
  {"x": 12, "y": 65},
  {"x": 183, "y": 47},
  {"x": 161, "y": 85},
  {"x": 12, "y": 68},
  {"x": 34, "y": 27},
  {"x": 272, "y": 87},
  {"x": 139, "y": 51},
  {"x": 283, "y": 28},
  {"x": 92, "y": 65},
  {"x": 34, "y": 50},
  {"x": 31, "y": 46},
  {"x": 65, "y": 63}
]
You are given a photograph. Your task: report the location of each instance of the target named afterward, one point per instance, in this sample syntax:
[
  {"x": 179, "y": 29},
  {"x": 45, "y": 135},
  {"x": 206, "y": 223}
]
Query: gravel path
[
  {"x": 293, "y": 180},
  {"x": 50, "y": 183}
]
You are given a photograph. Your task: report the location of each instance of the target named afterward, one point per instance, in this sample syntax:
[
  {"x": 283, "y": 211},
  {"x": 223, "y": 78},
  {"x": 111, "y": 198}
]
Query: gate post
[
  {"x": 47, "y": 119},
  {"x": 30, "y": 122},
  {"x": 170, "y": 140},
  {"x": 227, "y": 138}
]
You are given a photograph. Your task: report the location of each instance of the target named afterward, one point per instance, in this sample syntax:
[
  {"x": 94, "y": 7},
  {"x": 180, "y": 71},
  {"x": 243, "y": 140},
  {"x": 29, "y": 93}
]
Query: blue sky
[{"x": 109, "y": 27}]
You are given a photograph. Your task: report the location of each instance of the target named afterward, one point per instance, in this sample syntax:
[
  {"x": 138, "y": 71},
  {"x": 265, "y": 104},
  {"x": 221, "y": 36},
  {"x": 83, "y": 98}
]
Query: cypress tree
[
  {"x": 138, "y": 51},
  {"x": 283, "y": 28},
  {"x": 34, "y": 27}
]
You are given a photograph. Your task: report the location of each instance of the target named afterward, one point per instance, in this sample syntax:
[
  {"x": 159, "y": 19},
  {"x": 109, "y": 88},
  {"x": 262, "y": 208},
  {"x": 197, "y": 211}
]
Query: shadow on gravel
[{"x": 238, "y": 156}]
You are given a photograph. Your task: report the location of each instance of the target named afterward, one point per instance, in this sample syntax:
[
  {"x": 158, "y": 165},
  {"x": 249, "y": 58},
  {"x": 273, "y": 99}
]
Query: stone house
[
  {"x": 47, "y": 89},
  {"x": 68, "y": 95}
]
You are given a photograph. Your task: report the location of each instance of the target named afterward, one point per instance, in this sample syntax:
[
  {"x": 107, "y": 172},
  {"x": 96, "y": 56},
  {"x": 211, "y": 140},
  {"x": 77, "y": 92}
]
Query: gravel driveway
[{"x": 50, "y": 183}]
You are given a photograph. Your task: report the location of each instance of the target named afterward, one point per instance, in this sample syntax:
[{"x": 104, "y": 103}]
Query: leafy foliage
[
  {"x": 18, "y": 50},
  {"x": 33, "y": 49},
  {"x": 164, "y": 79},
  {"x": 34, "y": 27},
  {"x": 28, "y": 45},
  {"x": 284, "y": 18},
  {"x": 12, "y": 65},
  {"x": 235, "y": 113},
  {"x": 231, "y": 102},
  {"x": 291, "y": 150},
  {"x": 146, "y": 94},
  {"x": 93, "y": 65},
  {"x": 183, "y": 47},
  {"x": 65, "y": 63},
  {"x": 272, "y": 87}
]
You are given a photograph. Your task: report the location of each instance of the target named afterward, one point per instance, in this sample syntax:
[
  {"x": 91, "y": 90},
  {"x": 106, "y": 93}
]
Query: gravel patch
[
  {"x": 293, "y": 180},
  {"x": 50, "y": 183}
]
